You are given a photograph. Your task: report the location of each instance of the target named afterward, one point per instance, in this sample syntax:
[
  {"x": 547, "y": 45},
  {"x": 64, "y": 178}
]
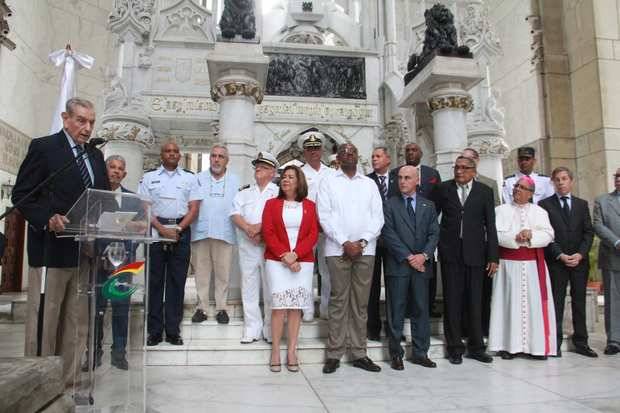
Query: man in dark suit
[
  {"x": 388, "y": 186},
  {"x": 567, "y": 255},
  {"x": 429, "y": 179},
  {"x": 64, "y": 315},
  {"x": 468, "y": 251},
  {"x": 410, "y": 236}
]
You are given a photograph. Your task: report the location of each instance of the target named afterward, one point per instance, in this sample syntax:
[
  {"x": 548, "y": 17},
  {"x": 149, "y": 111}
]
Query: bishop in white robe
[{"x": 522, "y": 309}]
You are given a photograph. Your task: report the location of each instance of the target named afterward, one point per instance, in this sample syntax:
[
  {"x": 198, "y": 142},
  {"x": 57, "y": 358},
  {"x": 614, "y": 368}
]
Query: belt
[{"x": 169, "y": 221}]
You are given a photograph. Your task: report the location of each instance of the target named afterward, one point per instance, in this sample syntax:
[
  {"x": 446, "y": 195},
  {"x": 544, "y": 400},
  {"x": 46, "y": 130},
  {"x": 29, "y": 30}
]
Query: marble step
[
  {"x": 211, "y": 330},
  {"x": 231, "y": 352}
]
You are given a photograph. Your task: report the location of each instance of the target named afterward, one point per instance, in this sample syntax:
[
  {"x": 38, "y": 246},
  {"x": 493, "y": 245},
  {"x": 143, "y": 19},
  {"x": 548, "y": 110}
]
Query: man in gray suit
[
  {"x": 410, "y": 235},
  {"x": 607, "y": 226}
]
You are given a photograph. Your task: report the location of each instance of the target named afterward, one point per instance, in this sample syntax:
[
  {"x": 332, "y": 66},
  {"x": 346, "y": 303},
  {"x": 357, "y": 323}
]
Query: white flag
[{"x": 71, "y": 62}]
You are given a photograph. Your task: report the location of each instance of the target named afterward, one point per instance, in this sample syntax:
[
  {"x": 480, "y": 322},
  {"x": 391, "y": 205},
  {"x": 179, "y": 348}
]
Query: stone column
[
  {"x": 238, "y": 73},
  {"x": 128, "y": 136},
  {"x": 443, "y": 85},
  {"x": 448, "y": 104}
]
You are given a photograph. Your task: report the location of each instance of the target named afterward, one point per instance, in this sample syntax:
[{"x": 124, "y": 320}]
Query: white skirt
[
  {"x": 289, "y": 290},
  {"x": 518, "y": 313}
]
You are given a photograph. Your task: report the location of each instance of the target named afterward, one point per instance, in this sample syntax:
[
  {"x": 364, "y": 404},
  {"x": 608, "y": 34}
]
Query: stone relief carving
[
  {"x": 319, "y": 76},
  {"x": 126, "y": 130},
  {"x": 489, "y": 145},
  {"x": 238, "y": 19},
  {"x": 476, "y": 31},
  {"x": 132, "y": 14},
  {"x": 117, "y": 100},
  {"x": 237, "y": 88},
  {"x": 187, "y": 22},
  {"x": 450, "y": 102}
]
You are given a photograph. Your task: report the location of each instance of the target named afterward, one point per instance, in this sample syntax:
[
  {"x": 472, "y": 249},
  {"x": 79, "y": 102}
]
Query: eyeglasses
[
  {"x": 524, "y": 188},
  {"x": 463, "y": 168}
]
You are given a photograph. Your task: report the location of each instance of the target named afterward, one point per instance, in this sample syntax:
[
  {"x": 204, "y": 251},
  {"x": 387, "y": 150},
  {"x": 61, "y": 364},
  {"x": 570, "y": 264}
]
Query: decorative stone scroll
[
  {"x": 132, "y": 15},
  {"x": 465, "y": 103},
  {"x": 126, "y": 130},
  {"x": 490, "y": 144},
  {"x": 316, "y": 76},
  {"x": 250, "y": 89}
]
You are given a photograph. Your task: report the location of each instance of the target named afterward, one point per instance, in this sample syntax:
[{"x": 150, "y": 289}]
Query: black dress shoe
[
  {"x": 424, "y": 362},
  {"x": 533, "y": 357},
  {"x": 175, "y": 340},
  {"x": 119, "y": 361},
  {"x": 455, "y": 359},
  {"x": 481, "y": 357},
  {"x": 331, "y": 365},
  {"x": 610, "y": 350},
  {"x": 506, "y": 355},
  {"x": 153, "y": 340},
  {"x": 374, "y": 336},
  {"x": 585, "y": 351},
  {"x": 222, "y": 317},
  {"x": 397, "y": 363},
  {"x": 199, "y": 316},
  {"x": 367, "y": 364}
]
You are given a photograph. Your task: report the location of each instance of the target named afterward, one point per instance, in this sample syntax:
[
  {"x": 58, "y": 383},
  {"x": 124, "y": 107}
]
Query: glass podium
[{"x": 112, "y": 230}]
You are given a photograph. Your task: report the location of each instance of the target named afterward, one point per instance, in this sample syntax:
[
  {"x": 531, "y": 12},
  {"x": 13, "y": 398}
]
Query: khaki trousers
[
  {"x": 65, "y": 321},
  {"x": 32, "y": 311},
  {"x": 348, "y": 305},
  {"x": 212, "y": 255}
]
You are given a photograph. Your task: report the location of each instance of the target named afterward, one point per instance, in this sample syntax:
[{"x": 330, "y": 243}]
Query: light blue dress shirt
[{"x": 217, "y": 203}]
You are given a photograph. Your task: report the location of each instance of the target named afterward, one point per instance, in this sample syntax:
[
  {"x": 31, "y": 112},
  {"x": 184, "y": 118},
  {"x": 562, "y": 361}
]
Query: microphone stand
[{"x": 84, "y": 154}]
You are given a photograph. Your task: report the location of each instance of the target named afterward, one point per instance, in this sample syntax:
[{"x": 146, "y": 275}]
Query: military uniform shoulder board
[
  {"x": 302, "y": 165},
  {"x": 241, "y": 188},
  {"x": 509, "y": 176},
  {"x": 150, "y": 170},
  {"x": 543, "y": 175},
  {"x": 188, "y": 171}
]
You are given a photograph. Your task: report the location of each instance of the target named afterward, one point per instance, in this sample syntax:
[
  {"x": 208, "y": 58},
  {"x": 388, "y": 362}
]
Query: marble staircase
[{"x": 209, "y": 343}]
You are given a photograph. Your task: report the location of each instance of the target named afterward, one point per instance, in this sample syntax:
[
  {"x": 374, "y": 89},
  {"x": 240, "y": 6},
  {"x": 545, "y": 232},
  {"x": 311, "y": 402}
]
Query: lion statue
[
  {"x": 238, "y": 18},
  {"x": 439, "y": 38}
]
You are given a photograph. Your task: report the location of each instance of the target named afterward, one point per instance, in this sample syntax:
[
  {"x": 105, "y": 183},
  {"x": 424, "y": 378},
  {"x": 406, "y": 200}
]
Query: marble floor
[{"x": 570, "y": 384}]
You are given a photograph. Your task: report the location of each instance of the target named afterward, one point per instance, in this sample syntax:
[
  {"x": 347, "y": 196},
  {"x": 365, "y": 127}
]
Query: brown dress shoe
[{"x": 397, "y": 363}]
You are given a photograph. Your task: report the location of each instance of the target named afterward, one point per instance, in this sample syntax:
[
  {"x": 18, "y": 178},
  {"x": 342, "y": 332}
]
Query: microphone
[{"x": 94, "y": 142}]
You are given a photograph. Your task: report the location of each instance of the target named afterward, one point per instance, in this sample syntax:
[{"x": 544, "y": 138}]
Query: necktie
[
  {"x": 382, "y": 187},
  {"x": 565, "y": 208},
  {"x": 410, "y": 209},
  {"x": 463, "y": 194},
  {"x": 82, "y": 167}
]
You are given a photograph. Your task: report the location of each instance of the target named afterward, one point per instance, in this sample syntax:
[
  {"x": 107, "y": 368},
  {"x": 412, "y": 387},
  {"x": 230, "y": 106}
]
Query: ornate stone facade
[
  {"x": 229, "y": 88},
  {"x": 465, "y": 103}
]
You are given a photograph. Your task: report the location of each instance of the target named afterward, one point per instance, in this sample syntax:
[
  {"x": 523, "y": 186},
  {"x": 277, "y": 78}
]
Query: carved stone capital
[
  {"x": 127, "y": 129},
  {"x": 489, "y": 144},
  {"x": 452, "y": 101},
  {"x": 227, "y": 88},
  {"x": 135, "y": 15}
]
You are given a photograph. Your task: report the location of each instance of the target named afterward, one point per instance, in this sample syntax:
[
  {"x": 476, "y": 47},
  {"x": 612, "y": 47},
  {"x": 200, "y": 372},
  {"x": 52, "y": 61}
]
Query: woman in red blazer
[{"x": 290, "y": 230}]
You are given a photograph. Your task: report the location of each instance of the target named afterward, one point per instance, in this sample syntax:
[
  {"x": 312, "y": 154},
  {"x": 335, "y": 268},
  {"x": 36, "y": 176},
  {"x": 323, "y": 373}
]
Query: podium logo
[{"x": 118, "y": 286}]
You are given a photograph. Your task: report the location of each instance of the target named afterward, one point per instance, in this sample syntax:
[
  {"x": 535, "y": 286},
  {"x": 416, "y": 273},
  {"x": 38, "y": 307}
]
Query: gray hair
[
  {"x": 115, "y": 158},
  {"x": 382, "y": 148},
  {"x": 220, "y": 146},
  {"x": 73, "y": 102}
]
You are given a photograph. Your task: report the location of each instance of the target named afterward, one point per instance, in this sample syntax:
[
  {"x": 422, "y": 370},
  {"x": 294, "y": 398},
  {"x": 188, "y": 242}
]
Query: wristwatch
[{"x": 363, "y": 243}]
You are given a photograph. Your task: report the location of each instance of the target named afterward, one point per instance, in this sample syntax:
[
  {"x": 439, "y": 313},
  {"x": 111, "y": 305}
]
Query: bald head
[{"x": 408, "y": 179}]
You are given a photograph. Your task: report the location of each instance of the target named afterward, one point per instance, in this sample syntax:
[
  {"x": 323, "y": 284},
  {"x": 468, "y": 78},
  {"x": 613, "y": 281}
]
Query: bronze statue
[
  {"x": 439, "y": 39},
  {"x": 238, "y": 19}
]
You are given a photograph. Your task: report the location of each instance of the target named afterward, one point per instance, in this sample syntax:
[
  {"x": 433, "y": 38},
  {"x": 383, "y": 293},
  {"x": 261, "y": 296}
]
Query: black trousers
[
  {"x": 169, "y": 263},
  {"x": 462, "y": 290},
  {"x": 561, "y": 276},
  {"x": 432, "y": 287},
  {"x": 402, "y": 290},
  {"x": 373, "y": 324},
  {"x": 487, "y": 292}
]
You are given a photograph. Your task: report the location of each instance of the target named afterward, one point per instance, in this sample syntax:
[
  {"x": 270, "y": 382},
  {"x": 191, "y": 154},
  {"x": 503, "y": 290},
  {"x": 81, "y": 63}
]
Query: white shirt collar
[
  {"x": 161, "y": 170},
  {"x": 357, "y": 175}
]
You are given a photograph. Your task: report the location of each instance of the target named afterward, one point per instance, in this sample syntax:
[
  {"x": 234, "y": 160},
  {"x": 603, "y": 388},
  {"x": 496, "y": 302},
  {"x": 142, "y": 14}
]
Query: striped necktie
[
  {"x": 382, "y": 187},
  {"x": 82, "y": 167}
]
